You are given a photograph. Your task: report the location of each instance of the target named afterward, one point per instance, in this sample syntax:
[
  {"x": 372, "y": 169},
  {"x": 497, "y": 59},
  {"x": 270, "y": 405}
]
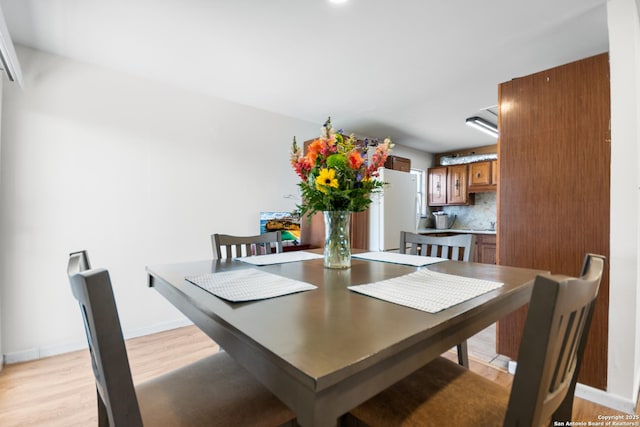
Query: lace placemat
[
  {"x": 427, "y": 290},
  {"x": 406, "y": 259},
  {"x": 281, "y": 258},
  {"x": 248, "y": 284}
]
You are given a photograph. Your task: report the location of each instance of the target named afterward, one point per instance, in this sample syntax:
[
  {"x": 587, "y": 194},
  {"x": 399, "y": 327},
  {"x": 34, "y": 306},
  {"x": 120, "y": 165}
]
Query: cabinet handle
[
  {"x": 457, "y": 185},
  {"x": 478, "y": 175}
]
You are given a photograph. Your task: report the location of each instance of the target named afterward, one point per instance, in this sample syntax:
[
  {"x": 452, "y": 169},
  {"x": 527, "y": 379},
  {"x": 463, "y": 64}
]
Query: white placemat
[
  {"x": 427, "y": 290},
  {"x": 281, "y": 258},
  {"x": 414, "y": 260},
  {"x": 248, "y": 284}
]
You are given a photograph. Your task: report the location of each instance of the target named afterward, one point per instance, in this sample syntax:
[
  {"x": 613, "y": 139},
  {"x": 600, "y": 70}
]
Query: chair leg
[
  {"x": 103, "y": 418},
  {"x": 463, "y": 354}
]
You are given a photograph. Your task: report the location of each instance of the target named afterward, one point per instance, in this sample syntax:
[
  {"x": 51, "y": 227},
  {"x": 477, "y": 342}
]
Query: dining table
[{"x": 325, "y": 349}]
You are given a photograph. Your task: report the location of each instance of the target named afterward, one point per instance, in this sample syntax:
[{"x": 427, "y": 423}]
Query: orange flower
[
  {"x": 355, "y": 159},
  {"x": 315, "y": 148}
]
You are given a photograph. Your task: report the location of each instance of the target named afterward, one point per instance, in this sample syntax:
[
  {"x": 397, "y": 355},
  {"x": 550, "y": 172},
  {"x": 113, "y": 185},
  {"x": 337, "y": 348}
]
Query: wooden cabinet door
[
  {"x": 437, "y": 195},
  {"x": 486, "y": 248},
  {"x": 480, "y": 173},
  {"x": 494, "y": 172},
  {"x": 457, "y": 185},
  {"x": 398, "y": 163}
]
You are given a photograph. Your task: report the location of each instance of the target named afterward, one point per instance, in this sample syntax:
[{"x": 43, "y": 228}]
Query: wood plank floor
[{"x": 59, "y": 391}]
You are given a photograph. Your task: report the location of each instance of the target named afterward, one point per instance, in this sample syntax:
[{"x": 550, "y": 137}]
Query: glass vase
[{"x": 337, "y": 245}]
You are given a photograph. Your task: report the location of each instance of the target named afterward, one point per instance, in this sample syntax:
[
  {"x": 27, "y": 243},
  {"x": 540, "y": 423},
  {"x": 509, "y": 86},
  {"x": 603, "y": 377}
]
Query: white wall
[
  {"x": 135, "y": 172},
  {"x": 624, "y": 307}
]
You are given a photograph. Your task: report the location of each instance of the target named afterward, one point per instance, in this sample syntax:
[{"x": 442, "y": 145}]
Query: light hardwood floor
[{"x": 59, "y": 391}]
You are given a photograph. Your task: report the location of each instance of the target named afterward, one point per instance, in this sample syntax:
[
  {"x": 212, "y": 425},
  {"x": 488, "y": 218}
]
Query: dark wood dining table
[{"x": 324, "y": 351}]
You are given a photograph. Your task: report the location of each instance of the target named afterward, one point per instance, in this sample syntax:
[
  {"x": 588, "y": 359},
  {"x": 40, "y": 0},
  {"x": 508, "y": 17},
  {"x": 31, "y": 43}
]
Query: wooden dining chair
[
  {"x": 214, "y": 391},
  {"x": 554, "y": 337},
  {"x": 457, "y": 248},
  {"x": 239, "y": 246},
  {"x": 78, "y": 261}
]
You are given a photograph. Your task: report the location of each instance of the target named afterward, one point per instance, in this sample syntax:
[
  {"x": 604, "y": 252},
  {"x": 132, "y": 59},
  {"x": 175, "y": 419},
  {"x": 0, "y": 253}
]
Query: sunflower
[{"x": 327, "y": 178}]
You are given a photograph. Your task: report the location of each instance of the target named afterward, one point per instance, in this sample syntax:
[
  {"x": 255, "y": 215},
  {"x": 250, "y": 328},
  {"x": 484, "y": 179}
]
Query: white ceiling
[{"x": 409, "y": 69}]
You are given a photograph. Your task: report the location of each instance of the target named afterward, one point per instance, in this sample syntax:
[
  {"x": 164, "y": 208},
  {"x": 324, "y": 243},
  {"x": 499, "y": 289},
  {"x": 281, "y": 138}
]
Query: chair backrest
[
  {"x": 553, "y": 340},
  {"x": 78, "y": 261},
  {"x": 458, "y": 248},
  {"x": 92, "y": 289},
  {"x": 252, "y": 245}
]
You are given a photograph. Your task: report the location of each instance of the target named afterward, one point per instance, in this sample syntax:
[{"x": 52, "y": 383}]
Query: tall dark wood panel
[{"x": 553, "y": 191}]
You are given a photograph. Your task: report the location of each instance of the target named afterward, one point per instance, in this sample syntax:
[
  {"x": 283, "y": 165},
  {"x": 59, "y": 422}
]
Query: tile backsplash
[{"x": 478, "y": 216}]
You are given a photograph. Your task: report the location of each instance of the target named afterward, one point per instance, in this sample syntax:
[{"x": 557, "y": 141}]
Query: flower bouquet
[{"x": 338, "y": 174}]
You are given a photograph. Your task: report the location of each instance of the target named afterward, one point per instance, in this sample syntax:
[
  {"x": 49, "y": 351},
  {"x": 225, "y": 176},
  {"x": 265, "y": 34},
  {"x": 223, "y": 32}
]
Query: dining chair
[
  {"x": 78, "y": 261},
  {"x": 457, "y": 248},
  {"x": 252, "y": 245},
  {"x": 554, "y": 337},
  {"x": 214, "y": 391}
]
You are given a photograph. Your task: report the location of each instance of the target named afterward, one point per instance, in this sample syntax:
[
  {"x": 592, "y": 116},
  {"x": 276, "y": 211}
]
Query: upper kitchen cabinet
[
  {"x": 462, "y": 174},
  {"x": 483, "y": 176},
  {"x": 437, "y": 195},
  {"x": 448, "y": 186},
  {"x": 457, "y": 185},
  {"x": 398, "y": 163},
  {"x": 554, "y": 154}
]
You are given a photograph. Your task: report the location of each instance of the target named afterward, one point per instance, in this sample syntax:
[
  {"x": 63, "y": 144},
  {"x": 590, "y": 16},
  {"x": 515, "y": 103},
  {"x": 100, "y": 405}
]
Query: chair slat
[
  {"x": 458, "y": 247},
  {"x": 241, "y": 246}
]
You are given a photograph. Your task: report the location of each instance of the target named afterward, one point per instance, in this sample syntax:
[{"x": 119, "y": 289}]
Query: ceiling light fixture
[
  {"x": 8, "y": 59},
  {"x": 337, "y": 1},
  {"x": 483, "y": 125}
]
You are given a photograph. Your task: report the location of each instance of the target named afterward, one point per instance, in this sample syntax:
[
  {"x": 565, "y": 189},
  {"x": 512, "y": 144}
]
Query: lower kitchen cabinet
[{"x": 486, "y": 248}]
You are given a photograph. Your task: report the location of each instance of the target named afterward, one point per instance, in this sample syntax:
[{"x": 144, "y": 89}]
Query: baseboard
[
  {"x": 158, "y": 327},
  {"x": 54, "y": 350},
  {"x": 595, "y": 395},
  {"x": 603, "y": 398}
]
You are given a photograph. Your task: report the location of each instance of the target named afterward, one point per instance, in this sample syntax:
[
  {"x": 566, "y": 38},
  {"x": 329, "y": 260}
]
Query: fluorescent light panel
[
  {"x": 8, "y": 59},
  {"x": 483, "y": 125}
]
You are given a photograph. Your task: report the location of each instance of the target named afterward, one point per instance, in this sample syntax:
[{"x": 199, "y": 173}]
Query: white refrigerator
[{"x": 393, "y": 210}]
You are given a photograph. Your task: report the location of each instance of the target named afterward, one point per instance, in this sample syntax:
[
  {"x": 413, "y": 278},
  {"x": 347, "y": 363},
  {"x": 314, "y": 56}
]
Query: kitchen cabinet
[
  {"x": 448, "y": 186},
  {"x": 483, "y": 176},
  {"x": 437, "y": 195},
  {"x": 485, "y": 248},
  {"x": 457, "y": 185},
  {"x": 494, "y": 172},
  {"x": 555, "y": 155},
  {"x": 398, "y": 163}
]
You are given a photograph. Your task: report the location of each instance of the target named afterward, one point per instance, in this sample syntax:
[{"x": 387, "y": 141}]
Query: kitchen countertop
[{"x": 454, "y": 230}]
